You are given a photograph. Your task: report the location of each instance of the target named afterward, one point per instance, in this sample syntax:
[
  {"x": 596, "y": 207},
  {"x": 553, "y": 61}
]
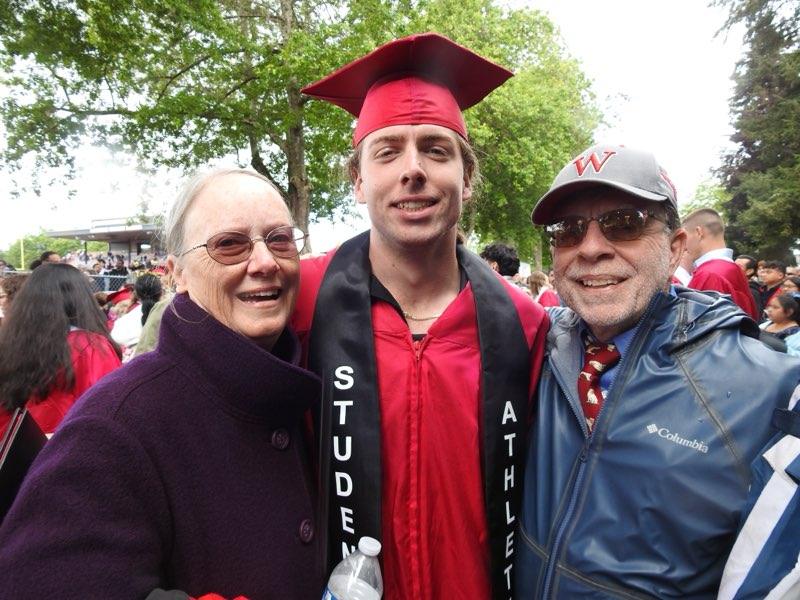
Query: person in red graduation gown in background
[
  {"x": 53, "y": 347},
  {"x": 714, "y": 266},
  {"x": 428, "y": 358}
]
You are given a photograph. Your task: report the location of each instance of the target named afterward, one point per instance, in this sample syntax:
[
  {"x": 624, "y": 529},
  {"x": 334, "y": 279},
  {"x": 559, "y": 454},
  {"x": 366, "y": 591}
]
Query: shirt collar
[
  {"x": 683, "y": 276},
  {"x": 717, "y": 254},
  {"x": 621, "y": 340}
]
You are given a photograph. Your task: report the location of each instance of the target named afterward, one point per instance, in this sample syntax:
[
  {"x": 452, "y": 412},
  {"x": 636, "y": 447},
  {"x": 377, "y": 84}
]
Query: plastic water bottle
[{"x": 357, "y": 577}]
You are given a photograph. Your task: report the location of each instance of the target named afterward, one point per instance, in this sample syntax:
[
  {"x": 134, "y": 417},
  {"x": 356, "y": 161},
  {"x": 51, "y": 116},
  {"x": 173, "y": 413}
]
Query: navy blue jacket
[{"x": 649, "y": 505}]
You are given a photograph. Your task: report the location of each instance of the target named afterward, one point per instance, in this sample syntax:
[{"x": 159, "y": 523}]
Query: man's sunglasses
[
  {"x": 231, "y": 247},
  {"x": 620, "y": 225}
]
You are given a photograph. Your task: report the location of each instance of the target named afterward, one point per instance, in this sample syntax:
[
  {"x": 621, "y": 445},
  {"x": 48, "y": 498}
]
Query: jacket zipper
[
  {"x": 416, "y": 586},
  {"x": 552, "y": 560},
  {"x": 417, "y": 345}
]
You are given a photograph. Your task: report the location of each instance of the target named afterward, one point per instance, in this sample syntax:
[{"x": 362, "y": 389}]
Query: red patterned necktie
[{"x": 597, "y": 359}]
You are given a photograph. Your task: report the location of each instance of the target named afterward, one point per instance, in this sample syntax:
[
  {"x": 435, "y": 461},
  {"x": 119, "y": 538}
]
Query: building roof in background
[{"x": 113, "y": 231}]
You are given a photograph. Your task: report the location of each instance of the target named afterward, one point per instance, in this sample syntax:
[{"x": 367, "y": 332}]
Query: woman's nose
[{"x": 261, "y": 259}]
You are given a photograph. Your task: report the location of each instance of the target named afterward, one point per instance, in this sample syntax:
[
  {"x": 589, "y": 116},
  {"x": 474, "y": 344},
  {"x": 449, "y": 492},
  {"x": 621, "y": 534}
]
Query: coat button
[
  {"x": 306, "y": 531},
  {"x": 280, "y": 439}
]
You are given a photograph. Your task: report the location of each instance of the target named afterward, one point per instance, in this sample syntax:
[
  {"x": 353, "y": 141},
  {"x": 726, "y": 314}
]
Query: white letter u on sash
[{"x": 347, "y": 448}]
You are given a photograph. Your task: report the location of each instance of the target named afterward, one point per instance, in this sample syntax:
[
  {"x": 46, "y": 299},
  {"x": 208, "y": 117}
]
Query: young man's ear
[
  {"x": 466, "y": 193},
  {"x": 358, "y": 189}
]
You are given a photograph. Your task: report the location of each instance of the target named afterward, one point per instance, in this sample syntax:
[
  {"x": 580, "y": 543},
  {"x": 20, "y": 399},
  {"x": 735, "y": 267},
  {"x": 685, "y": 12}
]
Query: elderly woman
[{"x": 186, "y": 468}]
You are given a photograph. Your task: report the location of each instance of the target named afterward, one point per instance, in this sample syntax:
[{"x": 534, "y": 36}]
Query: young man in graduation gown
[
  {"x": 428, "y": 357},
  {"x": 714, "y": 268}
]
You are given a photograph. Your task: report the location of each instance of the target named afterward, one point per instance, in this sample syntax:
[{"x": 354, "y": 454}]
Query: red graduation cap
[
  {"x": 422, "y": 78},
  {"x": 122, "y": 294}
]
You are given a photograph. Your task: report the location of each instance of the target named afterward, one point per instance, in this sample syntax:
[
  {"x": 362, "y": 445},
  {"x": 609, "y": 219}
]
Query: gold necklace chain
[{"x": 411, "y": 317}]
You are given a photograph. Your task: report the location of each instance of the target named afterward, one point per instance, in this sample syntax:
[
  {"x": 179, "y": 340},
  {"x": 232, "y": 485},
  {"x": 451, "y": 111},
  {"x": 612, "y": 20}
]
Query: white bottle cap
[{"x": 369, "y": 546}]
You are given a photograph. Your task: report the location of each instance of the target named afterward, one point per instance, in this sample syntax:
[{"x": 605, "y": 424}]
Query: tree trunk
[
  {"x": 298, "y": 192},
  {"x": 537, "y": 254}
]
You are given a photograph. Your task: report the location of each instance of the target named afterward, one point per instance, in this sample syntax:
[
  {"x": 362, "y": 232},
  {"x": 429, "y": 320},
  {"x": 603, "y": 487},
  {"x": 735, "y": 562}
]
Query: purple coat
[{"x": 185, "y": 469}]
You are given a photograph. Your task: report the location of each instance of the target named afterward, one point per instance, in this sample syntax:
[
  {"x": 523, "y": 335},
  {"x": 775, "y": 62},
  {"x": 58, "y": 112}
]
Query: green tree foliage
[
  {"x": 763, "y": 172},
  {"x": 34, "y": 245},
  {"x": 182, "y": 83},
  {"x": 529, "y": 127},
  {"x": 709, "y": 194}
]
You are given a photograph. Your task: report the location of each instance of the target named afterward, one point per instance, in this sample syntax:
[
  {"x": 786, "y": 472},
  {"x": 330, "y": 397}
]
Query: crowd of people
[
  {"x": 107, "y": 271},
  {"x": 108, "y": 263},
  {"x": 617, "y": 430}
]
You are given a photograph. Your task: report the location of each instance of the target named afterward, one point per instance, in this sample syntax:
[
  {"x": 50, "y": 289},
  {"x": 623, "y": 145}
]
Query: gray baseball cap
[{"x": 633, "y": 171}]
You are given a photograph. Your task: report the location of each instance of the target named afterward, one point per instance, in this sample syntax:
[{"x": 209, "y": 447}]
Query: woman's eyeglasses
[
  {"x": 231, "y": 247},
  {"x": 620, "y": 225}
]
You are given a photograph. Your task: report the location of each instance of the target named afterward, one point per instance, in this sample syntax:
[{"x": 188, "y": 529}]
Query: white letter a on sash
[{"x": 508, "y": 413}]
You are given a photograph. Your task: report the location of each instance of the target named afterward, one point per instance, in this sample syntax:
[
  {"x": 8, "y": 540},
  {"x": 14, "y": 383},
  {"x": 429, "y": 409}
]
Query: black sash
[{"x": 342, "y": 352}]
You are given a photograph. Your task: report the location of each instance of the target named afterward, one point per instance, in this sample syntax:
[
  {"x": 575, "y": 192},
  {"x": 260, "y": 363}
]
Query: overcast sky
[{"x": 661, "y": 77}]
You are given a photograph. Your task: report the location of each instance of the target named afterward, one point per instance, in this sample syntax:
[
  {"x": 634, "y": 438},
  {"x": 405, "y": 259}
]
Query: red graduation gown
[
  {"x": 92, "y": 358},
  {"x": 727, "y": 278},
  {"x": 434, "y": 530}
]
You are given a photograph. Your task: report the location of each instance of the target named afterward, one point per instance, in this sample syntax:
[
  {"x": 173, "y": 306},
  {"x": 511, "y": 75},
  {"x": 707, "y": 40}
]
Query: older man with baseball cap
[
  {"x": 427, "y": 356},
  {"x": 652, "y": 401}
]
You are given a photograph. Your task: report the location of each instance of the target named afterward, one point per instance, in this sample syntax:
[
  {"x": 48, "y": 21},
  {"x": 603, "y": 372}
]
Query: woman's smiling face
[{"x": 256, "y": 296}]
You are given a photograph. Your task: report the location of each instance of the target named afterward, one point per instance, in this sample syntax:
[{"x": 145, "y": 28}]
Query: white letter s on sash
[{"x": 344, "y": 379}]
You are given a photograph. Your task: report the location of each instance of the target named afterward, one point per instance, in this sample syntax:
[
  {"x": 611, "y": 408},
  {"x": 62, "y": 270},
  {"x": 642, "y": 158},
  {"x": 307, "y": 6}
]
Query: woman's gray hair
[{"x": 175, "y": 225}]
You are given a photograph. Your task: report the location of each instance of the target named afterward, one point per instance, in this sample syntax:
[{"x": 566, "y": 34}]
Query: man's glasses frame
[
  {"x": 234, "y": 247},
  {"x": 618, "y": 225}
]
